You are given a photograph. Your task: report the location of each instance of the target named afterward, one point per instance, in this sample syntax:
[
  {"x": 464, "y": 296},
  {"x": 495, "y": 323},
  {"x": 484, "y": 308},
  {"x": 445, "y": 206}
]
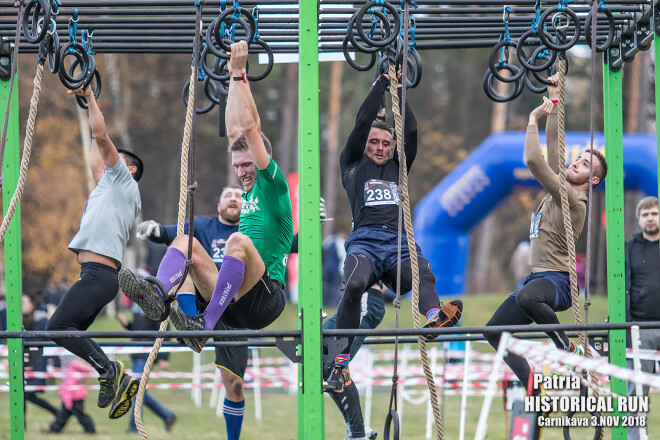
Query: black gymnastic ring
[
  {"x": 383, "y": 68},
  {"x": 53, "y": 52},
  {"x": 610, "y": 31},
  {"x": 493, "y": 64},
  {"x": 210, "y": 38},
  {"x": 248, "y": 26},
  {"x": 395, "y": 17},
  {"x": 417, "y": 61},
  {"x": 271, "y": 61},
  {"x": 353, "y": 64},
  {"x": 522, "y": 56},
  {"x": 167, "y": 300},
  {"x": 532, "y": 88},
  {"x": 95, "y": 83},
  {"x": 551, "y": 71},
  {"x": 351, "y": 35},
  {"x": 199, "y": 111},
  {"x": 391, "y": 419},
  {"x": 213, "y": 73},
  {"x": 220, "y": 88},
  {"x": 35, "y": 36},
  {"x": 551, "y": 44},
  {"x": 570, "y": 414},
  {"x": 82, "y": 57},
  {"x": 488, "y": 80}
]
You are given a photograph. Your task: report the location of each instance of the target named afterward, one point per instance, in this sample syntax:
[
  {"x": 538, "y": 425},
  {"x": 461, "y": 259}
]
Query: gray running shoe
[
  {"x": 183, "y": 322},
  {"x": 143, "y": 293},
  {"x": 109, "y": 385}
]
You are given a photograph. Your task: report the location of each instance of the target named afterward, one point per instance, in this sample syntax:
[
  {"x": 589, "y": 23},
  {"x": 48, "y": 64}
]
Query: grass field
[{"x": 280, "y": 409}]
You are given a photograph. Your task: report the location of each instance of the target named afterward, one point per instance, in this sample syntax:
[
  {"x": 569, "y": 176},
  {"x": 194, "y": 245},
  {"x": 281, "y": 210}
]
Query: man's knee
[
  {"x": 233, "y": 387},
  {"x": 237, "y": 245}
]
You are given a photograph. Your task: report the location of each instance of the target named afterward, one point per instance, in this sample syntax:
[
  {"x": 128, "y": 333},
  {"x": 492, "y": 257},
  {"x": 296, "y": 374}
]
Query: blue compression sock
[{"x": 233, "y": 412}]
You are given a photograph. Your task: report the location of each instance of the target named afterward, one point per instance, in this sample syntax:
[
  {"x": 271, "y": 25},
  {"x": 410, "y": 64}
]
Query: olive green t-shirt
[{"x": 266, "y": 218}]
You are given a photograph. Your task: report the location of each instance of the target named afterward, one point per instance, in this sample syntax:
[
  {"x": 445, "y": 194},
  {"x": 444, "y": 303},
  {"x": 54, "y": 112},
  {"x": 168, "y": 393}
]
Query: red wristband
[{"x": 555, "y": 101}]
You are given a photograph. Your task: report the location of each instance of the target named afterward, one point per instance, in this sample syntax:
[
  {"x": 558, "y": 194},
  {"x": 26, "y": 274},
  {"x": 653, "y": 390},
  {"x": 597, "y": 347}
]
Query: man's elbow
[{"x": 251, "y": 128}]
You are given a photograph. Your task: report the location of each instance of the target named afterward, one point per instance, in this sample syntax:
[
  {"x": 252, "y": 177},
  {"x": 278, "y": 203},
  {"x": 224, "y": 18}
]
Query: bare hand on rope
[
  {"x": 239, "y": 56},
  {"x": 553, "y": 90}
]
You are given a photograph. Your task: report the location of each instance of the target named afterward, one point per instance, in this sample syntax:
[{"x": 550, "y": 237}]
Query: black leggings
[
  {"x": 31, "y": 396},
  {"x": 348, "y": 402},
  {"x": 96, "y": 287},
  {"x": 359, "y": 276},
  {"x": 533, "y": 303},
  {"x": 77, "y": 410}
]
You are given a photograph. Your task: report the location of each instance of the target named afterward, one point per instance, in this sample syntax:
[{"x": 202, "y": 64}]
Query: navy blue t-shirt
[{"x": 210, "y": 233}]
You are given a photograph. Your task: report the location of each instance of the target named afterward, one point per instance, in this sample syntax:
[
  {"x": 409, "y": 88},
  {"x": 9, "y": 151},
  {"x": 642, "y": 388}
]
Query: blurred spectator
[
  {"x": 519, "y": 264},
  {"x": 73, "y": 394},
  {"x": 141, "y": 322},
  {"x": 333, "y": 255},
  {"x": 53, "y": 295},
  {"x": 581, "y": 269}
]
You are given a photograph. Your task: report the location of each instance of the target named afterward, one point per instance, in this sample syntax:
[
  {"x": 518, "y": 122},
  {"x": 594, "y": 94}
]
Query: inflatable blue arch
[{"x": 444, "y": 217}]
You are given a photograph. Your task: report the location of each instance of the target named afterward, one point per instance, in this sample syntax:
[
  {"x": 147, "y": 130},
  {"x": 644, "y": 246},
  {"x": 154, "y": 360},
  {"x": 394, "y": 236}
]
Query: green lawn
[{"x": 280, "y": 409}]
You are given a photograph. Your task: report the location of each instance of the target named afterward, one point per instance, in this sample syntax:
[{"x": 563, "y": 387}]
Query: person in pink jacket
[{"x": 73, "y": 393}]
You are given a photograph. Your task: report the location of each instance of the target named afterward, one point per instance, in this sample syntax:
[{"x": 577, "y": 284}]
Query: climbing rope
[
  {"x": 186, "y": 187},
  {"x": 403, "y": 187},
  {"x": 27, "y": 143},
  {"x": 570, "y": 238}
]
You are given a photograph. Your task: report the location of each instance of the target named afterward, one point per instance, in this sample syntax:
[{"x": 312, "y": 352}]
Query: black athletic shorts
[
  {"x": 259, "y": 307},
  {"x": 231, "y": 358}
]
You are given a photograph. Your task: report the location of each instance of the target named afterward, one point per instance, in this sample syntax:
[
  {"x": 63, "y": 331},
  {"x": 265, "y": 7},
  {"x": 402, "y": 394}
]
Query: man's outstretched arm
[
  {"x": 104, "y": 153},
  {"x": 246, "y": 109}
]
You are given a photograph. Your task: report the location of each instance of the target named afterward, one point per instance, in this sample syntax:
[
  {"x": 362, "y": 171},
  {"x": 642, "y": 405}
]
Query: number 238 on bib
[{"x": 380, "y": 192}]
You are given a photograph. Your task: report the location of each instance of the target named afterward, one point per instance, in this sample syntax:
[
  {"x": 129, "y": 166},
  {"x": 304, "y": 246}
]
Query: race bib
[
  {"x": 380, "y": 192},
  {"x": 218, "y": 249},
  {"x": 534, "y": 226}
]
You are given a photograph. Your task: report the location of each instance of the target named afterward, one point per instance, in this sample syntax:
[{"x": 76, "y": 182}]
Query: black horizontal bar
[{"x": 152, "y": 334}]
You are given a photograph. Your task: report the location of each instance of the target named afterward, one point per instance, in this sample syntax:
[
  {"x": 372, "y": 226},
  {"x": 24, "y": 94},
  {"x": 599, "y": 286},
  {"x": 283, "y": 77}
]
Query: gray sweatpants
[{"x": 650, "y": 339}]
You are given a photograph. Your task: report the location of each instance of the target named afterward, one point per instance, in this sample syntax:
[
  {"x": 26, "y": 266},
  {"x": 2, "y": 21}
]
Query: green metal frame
[
  {"x": 612, "y": 104},
  {"x": 12, "y": 244},
  {"x": 310, "y": 395}
]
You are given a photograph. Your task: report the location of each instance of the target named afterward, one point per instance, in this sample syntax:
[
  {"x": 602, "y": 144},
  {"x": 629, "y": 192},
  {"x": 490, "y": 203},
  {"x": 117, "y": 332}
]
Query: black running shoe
[
  {"x": 143, "y": 293},
  {"x": 339, "y": 378},
  {"x": 124, "y": 399},
  {"x": 110, "y": 384},
  {"x": 447, "y": 316},
  {"x": 183, "y": 322}
]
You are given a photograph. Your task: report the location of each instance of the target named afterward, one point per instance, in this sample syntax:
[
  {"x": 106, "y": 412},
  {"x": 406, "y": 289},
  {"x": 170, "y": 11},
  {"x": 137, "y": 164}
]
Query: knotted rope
[
  {"x": 27, "y": 150},
  {"x": 185, "y": 188},
  {"x": 403, "y": 191},
  {"x": 570, "y": 238}
]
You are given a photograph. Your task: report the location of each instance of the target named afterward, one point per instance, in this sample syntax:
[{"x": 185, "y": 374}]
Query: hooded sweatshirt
[{"x": 642, "y": 279}]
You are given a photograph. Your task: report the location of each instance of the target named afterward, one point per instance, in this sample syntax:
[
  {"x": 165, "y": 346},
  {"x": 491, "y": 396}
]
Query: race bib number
[
  {"x": 380, "y": 192},
  {"x": 534, "y": 226},
  {"x": 218, "y": 249}
]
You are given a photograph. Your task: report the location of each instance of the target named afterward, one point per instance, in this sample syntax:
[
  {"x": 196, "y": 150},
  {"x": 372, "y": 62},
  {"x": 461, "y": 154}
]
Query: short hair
[
  {"x": 240, "y": 144},
  {"x": 646, "y": 203},
  {"x": 602, "y": 170},
  {"x": 225, "y": 188},
  {"x": 383, "y": 126},
  {"x": 134, "y": 161}
]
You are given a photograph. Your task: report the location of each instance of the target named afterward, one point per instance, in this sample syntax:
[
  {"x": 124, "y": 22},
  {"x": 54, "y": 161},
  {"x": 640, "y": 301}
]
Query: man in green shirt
[{"x": 247, "y": 292}]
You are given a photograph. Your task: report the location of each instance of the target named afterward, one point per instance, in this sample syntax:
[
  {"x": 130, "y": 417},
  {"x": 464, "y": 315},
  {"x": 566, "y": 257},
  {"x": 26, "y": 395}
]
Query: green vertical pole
[
  {"x": 612, "y": 96},
  {"x": 310, "y": 394},
  {"x": 12, "y": 244},
  {"x": 656, "y": 48}
]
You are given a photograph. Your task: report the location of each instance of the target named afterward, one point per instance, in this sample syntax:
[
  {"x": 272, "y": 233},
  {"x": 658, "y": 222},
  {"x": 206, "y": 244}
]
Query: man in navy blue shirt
[{"x": 212, "y": 234}]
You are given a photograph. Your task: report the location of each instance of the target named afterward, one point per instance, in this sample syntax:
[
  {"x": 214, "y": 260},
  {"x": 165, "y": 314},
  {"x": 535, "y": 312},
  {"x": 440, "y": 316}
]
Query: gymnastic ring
[
  {"x": 271, "y": 61},
  {"x": 351, "y": 35},
  {"x": 395, "y": 18},
  {"x": 95, "y": 84},
  {"x": 31, "y": 29},
  {"x": 354, "y": 64},
  {"x": 391, "y": 419},
  {"x": 417, "y": 61},
  {"x": 493, "y": 64},
  {"x": 218, "y": 88},
  {"x": 383, "y": 68},
  {"x": 167, "y": 299},
  {"x": 532, "y": 88},
  {"x": 199, "y": 111},
  {"x": 522, "y": 56},
  {"x": 215, "y": 72},
  {"x": 570, "y": 414},
  {"x": 81, "y": 56},
  {"x": 488, "y": 84},
  {"x": 610, "y": 30},
  {"x": 248, "y": 26},
  {"x": 53, "y": 52},
  {"x": 551, "y": 71},
  {"x": 551, "y": 44},
  {"x": 210, "y": 38}
]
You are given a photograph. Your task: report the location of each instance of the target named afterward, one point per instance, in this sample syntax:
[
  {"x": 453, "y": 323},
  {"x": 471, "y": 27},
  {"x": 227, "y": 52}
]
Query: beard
[
  {"x": 652, "y": 229},
  {"x": 230, "y": 215},
  {"x": 575, "y": 179}
]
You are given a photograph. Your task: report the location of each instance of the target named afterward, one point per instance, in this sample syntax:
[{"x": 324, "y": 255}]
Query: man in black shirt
[
  {"x": 643, "y": 287},
  {"x": 370, "y": 175}
]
